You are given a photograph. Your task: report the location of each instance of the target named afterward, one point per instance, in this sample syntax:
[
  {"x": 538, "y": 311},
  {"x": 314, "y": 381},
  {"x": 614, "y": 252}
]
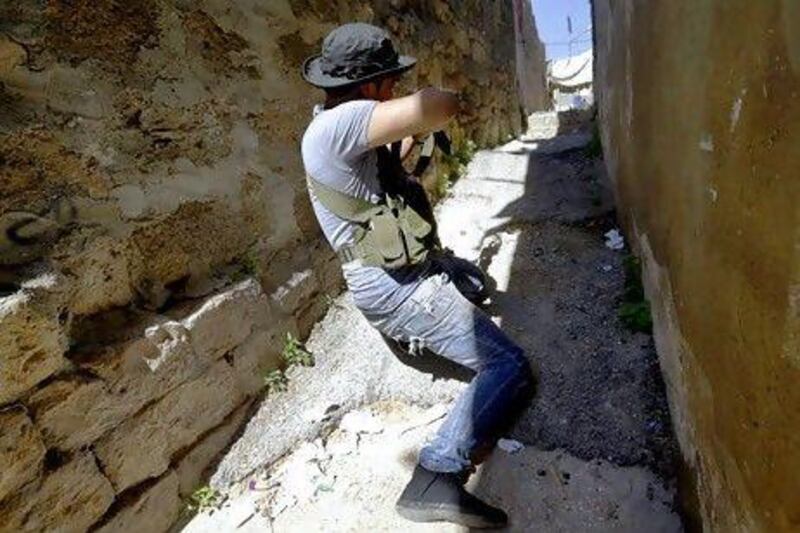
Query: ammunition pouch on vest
[{"x": 390, "y": 234}]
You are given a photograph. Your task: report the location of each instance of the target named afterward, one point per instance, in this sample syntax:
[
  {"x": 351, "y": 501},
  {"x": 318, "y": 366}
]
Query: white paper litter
[
  {"x": 510, "y": 445},
  {"x": 614, "y": 240}
]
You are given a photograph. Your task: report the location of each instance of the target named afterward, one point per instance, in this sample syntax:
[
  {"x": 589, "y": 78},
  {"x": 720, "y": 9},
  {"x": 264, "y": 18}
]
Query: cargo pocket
[{"x": 428, "y": 296}]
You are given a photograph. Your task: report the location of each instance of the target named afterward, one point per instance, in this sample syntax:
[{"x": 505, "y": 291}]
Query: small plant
[
  {"x": 276, "y": 381},
  {"x": 636, "y": 316},
  {"x": 295, "y": 353},
  {"x": 247, "y": 266},
  {"x": 634, "y": 312},
  {"x": 250, "y": 263},
  {"x": 594, "y": 149},
  {"x": 455, "y": 165},
  {"x": 205, "y": 499}
]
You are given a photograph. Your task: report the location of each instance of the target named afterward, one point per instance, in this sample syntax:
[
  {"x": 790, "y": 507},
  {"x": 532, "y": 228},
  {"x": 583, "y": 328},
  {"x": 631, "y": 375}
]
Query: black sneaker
[{"x": 437, "y": 497}]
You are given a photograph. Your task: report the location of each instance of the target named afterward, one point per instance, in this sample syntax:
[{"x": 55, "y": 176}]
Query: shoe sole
[{"x": 444, "y": 514}]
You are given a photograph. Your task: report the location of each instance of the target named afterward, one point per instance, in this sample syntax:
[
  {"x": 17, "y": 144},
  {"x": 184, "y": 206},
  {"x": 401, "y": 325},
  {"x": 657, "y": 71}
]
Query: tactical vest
[{"x": 398, "y": 231}]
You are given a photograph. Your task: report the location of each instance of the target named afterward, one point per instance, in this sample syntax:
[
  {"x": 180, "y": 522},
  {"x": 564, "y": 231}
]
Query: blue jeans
[{"x": 439, "y": 318}]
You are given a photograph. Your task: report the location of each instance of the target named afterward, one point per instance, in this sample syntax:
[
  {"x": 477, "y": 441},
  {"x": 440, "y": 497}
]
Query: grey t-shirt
[{"x": 336, "y": 153}]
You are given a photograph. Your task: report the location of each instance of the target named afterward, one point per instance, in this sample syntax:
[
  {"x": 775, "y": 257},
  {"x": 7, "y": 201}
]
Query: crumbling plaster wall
[
  {"x": 699, "y": 106},
  {"x": 156, "y": 242}
]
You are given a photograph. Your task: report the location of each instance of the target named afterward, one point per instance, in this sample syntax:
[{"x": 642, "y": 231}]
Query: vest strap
[{"x": 342, "y": 205}]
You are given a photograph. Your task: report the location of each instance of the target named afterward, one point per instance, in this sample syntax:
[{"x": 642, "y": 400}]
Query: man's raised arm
[{"x": 426, "y": 110}]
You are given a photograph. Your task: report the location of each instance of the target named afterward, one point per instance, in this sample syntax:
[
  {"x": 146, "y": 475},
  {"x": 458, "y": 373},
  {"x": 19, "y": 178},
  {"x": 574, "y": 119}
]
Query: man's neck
[{"x": 333, "y": 101}]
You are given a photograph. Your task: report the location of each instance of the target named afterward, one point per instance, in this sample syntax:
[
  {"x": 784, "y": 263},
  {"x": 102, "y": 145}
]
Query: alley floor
[{"x": 593, "y": 452}]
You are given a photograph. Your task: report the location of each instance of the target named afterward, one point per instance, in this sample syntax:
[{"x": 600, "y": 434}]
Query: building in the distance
[{"x": 570, "y": 81}]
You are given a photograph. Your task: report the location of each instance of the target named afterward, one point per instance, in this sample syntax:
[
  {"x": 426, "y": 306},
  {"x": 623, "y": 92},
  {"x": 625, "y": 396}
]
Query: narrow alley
[
  {"x": 176, "y": 351},
  {"x": 593, "y": 452}
]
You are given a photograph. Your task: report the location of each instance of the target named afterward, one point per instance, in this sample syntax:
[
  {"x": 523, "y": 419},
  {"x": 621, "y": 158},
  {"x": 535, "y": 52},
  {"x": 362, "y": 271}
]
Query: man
[{"x": 399, "y": 279}]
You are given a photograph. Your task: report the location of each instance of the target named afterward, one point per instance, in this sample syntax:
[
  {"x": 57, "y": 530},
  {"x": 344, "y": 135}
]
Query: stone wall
[
  {"x": 530, "y": 51},
  {"x": 156, "y": 241},
  {"x": 699, "y": 104}
]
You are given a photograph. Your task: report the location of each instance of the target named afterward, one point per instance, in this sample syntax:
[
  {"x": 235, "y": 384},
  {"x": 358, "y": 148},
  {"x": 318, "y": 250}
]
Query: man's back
[{"x": 336, "y": 153}]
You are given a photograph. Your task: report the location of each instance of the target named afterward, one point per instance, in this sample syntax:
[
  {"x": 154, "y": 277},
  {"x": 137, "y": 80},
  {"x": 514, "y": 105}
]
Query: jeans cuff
[{"x": 430, "y": 460}]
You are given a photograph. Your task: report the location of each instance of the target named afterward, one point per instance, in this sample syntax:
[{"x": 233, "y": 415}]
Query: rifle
[{"x": 395, "y": 180}]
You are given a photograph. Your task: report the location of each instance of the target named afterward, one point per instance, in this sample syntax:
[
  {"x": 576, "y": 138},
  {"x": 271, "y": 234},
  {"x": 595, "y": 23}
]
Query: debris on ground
[
  {"x": 615, "y": 240},
  {"x": 316, "y": 489},
  {"x": 510, "y": 445},
  {"x": 361, "y": 422}
]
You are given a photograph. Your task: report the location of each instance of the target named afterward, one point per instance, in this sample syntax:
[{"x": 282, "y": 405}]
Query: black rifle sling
[{"x": 395, "y": 181}]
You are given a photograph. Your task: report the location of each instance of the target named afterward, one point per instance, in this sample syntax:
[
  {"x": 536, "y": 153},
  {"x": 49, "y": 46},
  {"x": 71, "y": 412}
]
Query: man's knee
[{"x": 523, "y": 373}]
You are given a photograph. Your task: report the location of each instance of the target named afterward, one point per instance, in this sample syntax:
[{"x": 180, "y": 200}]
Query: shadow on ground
[{"x": 600, "y": 392}]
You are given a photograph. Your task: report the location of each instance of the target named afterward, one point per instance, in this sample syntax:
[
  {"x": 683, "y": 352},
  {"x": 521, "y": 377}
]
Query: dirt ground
[{"x": 593, "y": 452}]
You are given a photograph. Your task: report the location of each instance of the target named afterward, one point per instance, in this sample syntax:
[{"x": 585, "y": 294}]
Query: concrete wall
[
  {"x": 700, "y": 117},
  {"x": 156, "y": 241}
]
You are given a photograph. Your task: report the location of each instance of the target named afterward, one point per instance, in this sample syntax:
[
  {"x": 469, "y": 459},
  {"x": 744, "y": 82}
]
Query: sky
[{"x": 551, "y": 22}]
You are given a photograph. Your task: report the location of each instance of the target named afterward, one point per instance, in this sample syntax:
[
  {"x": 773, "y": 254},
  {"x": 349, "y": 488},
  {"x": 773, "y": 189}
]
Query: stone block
[
  {"x": 71, "y": 498},
  {"x": 224, "y": 320},
  {"x": 161, "y": 355},
  {"x": 153, "y": 509},
  {"x": 258, "y": 354},
  {"x": 73, "y": 411},
  {"x": 32, "y": 340},
  {"x": 328, "y": 271},
  {"x": 191, "y": 467},
  {"x": 309, "y": 315},
  {"x": 189, "y": 242},
  {"x": 295, "y": 292},
  {"x": 102, "y": 278},
  {"x": 21, "y": 450},
  {"x": 143, "y": 446},
  {"x": 77, "y": 91},
  {"x": 12, "y": 55}
]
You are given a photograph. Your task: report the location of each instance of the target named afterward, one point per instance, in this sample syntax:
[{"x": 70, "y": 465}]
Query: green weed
[
  {"x": 594, "y": 149},
  {"x": 454, "y": 165},
  {"x": 248, "y": 266},
  {"x": 634, "y": 311},
  {"x": 276, "y": 381},
  {"x": 205, "y": 499},
  {"x": 295, "y": 353}
]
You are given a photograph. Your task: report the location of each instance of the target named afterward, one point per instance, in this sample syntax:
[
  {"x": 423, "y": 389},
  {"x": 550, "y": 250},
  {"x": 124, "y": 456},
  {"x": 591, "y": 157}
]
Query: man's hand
[
  {"x": 426, "y": 110},
  {"x": 406, "y": 146}
]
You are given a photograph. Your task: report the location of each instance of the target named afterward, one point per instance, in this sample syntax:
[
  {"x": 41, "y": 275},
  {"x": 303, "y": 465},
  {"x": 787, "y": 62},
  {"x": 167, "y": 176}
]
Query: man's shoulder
[
  {"x": 342, "y": 113},
  {"x": 345, "y": 122}
]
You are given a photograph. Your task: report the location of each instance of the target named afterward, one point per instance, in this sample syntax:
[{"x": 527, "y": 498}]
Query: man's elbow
[{"x": 438, "y": 106}]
